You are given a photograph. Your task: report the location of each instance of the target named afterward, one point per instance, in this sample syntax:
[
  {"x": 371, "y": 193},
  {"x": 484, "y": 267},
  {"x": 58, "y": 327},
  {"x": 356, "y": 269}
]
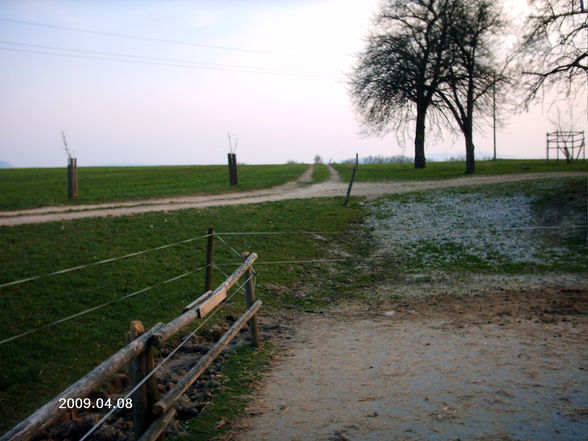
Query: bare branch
[
  {"x": 553, "y": 52},
  {"x": 65, "y": 146}
]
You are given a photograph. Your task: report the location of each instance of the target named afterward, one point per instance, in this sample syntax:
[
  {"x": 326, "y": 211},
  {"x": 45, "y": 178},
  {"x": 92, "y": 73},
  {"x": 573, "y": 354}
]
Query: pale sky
[{"x": 272, "y": 72}]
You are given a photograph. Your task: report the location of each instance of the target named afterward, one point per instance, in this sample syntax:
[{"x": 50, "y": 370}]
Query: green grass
[
  {"x": 36, "y": 367},
  {"x": 447, "y": 170},
  {"x": 320, "y": 174},
  {"x": 38, "y": 187}
]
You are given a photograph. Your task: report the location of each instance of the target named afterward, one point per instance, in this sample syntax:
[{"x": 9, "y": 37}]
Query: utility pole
[{"x": 494, "y": 116}]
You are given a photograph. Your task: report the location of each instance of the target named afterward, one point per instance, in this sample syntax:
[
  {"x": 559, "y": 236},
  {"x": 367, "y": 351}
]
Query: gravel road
[{"x": 293, "y": 190}]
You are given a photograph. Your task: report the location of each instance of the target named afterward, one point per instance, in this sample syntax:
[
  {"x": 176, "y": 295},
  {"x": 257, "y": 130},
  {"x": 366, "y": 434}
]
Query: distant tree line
[
  {"x": 438, "y": 63},
  {"x": 380, "y": 159}
]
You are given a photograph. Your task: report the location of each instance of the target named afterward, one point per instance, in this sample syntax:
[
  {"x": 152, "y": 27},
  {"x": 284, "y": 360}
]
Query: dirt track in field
[
  {"x": 493, "y": 366},
  {"x": 299, "y": 189}
]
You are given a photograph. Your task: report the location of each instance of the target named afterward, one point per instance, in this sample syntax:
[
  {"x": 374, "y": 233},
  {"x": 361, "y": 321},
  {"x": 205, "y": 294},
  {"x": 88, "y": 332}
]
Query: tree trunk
[
  {"x": 419, "y": 139},
  {"x": 470, "y": 157},
  {"x": 469, "y": 127}
]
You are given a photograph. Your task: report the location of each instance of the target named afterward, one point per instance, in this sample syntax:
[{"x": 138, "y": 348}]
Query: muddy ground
[{"x": 495, "y": 365}]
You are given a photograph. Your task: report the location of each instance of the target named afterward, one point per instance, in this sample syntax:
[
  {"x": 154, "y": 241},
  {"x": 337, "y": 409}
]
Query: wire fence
[
  {"x": 156, "y": 285},
  {"x": 219, "y": 235},
  {"x": 97, "y": 307},
  {"x": 101, "y": 262},
  {"x": 231, "y": 249}
]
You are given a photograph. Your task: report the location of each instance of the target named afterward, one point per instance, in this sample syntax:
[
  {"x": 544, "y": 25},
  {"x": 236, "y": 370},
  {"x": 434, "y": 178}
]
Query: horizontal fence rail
[{"x": 150, "y": 419}]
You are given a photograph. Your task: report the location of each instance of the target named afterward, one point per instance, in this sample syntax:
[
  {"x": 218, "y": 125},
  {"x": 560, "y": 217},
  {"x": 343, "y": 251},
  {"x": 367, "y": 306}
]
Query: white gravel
[{"x": 436, "y": 229}]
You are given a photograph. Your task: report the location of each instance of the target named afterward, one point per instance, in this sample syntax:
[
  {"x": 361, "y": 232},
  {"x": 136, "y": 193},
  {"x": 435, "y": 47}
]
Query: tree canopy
[
  {"x": 428, "y": 60},
  {"x": 553, "y": 50},
  {"x": 473, "y": 73},
  {"x": 396, "y": 77}
]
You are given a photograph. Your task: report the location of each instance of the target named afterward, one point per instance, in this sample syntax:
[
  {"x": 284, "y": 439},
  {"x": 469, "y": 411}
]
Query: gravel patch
[{"x": 439, "y": 229}]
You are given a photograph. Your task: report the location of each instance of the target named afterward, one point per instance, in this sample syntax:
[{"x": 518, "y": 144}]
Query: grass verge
[
  {"x": 30, "y": 188},
  {"x": 320, "y": 174},
  {"x": 454, "y": 169}
]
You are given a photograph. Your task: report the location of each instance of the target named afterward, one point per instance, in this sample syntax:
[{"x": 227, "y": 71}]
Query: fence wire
[
  {"x": 228, "y": 246},
  {"x": 109, "y": 260},
  {"x": 235, "y": 233},
  {"x": 95, "y": 308},
  {"x": 218, "y": 265}
]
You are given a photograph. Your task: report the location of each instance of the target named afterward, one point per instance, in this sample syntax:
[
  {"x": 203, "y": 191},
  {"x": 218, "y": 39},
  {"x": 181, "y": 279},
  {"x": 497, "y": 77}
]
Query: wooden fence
[{"x": 152, "y": 414}]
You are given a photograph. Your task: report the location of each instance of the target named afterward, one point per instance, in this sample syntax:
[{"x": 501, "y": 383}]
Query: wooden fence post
[
  {"x": 72, "y": 179},
  {"x": 250, "y": 297},
  {"x": 209, "y": 248},
  {"x": 230, "y": 162},
  {"x": 235, "y": 178},
  {"x": 351, "y": 180},
  {"x": 232, "y": 159},
  {"x": 145, "y": 397}
]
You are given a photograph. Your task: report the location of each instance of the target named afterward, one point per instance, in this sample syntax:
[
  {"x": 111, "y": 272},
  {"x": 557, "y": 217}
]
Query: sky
[{"x": 273, "y": 73}]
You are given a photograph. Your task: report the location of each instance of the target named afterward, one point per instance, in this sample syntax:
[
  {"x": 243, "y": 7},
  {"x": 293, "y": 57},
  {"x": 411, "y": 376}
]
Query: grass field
[
  {"x": 38, "y": 187},
  {"x": 446, "y": 170},
  {"x": 320, "y": 174}
]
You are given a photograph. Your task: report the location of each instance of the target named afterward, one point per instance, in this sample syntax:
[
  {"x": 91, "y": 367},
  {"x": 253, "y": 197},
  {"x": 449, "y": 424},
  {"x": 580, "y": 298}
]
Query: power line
[
  {"x": 132, "y": 37},
  {"x": 98, "y": 54},
  {"x": 119, "y": 60}
]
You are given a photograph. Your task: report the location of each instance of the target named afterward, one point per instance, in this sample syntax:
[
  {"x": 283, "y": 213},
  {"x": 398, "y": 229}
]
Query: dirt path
[
  {"x": 499, "y": 366},
  {"x": 293, "y": 190}
]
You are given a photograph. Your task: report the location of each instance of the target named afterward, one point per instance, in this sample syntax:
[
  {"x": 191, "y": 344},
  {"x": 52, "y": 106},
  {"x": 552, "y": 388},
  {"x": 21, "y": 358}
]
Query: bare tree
[
  {"x": 65, "y": 146},
  {"x": 473, "y": 71},
  {"x": 396, "y": 78},
  {"x": 554, "y": 48}
]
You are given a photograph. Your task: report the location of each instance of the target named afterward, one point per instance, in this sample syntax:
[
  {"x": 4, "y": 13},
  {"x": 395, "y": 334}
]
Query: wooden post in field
[
  {"x": 235, "y": 179},
  {"x": 232, "y": 158},
  {"x": 208, "y": 269},
  {"x": 72, "y": 179},
  {"x": 250, "y": 298},
  {"x": 351, "y": 180},
  {"x": 230, "y": 162},
  {"x": 145, "y": 397}
]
